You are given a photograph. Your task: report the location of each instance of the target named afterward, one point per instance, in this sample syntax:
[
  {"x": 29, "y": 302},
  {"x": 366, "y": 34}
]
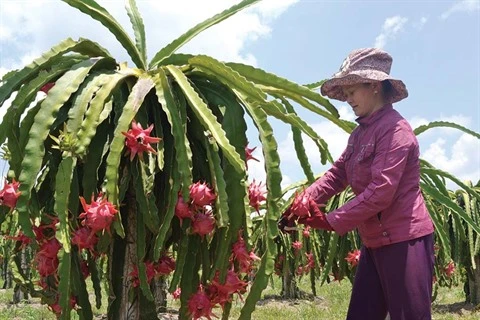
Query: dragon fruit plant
[{"x": 143, "y": 170}]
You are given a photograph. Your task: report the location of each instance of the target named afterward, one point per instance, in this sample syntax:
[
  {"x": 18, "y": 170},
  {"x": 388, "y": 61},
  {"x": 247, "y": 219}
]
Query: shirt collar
[{"x": 365, "y": 121}]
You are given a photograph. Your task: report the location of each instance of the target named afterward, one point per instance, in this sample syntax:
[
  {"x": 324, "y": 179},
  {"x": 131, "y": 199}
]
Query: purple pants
[{"x": 397, "y": 279}]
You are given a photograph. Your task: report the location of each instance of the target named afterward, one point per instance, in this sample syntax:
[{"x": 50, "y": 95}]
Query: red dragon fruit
[
  {"x": 200, "y": 305},
  {"x": 256, "y": 194},
  {"x": 353, "y": 257},
  {"x": 306, "y": 231},
  {"x": 182, "y": 209},
  {"x": 150, "y": 271},
  {"x": 203, "y": 223},
  {"x": 9, "y": 194},
  {"x": 310, "y": 262},
  {"x": 232, "y": 284},
  {"x": 50, "y": 248},
  {"x": 242, "y": 256},
  {"x": 301, "y": 206},
  {"x": 297, "y": 246},
  {"x": 165, "y": 265},
  {"x": 449, "y": 269},
  {"x": 83, "y": 238},
  {"x": 46, "y": 266},
  {"x": 98, "y": 215},
  {"x": 201, "y": 194},
  {"x": 138, "y": 140},
  {"x": 222, "y": 293}
]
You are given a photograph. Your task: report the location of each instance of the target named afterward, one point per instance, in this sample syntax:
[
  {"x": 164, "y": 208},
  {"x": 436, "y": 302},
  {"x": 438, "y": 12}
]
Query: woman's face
[{"x": 364, "y": 98}]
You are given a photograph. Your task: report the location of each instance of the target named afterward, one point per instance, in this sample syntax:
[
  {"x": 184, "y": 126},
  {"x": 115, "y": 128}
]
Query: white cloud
[
  {"x": 468, "y": 6},
  {"x": 390, "y": 28},
  {"x": 421, "y": 23},
  {"x": 462, "y": 159},
  {"x": 5, "y": 32},
  {"x": 28, "y": 28}
]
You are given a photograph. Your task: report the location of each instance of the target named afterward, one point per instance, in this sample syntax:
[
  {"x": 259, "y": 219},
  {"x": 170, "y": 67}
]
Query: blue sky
[{"x": 435, "y": 46}]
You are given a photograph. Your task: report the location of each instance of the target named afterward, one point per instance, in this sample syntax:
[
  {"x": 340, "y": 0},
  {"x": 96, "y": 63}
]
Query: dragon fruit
[
  {"x": 200, "y": 305},
  {"x": 301, "y": 206},
  {"x": 182, "y": 209},
  {"x": 203, "y": 223},
  {"x": 9, "y": 194},
  {"x": 50, "y": 248},
  {"x": 98, "y": 215},
  {"x": 201, "y": 194},
  {"x": 138, "y": 140},
  {"x": 46, "y": 266},
  {"x": 256, "y": 194},
  {"x": 165, "y": 265},
  {"x": 83, "y": 238},
  {"x": 353, "y": 257},
  {"x": 240, "y": 254}
]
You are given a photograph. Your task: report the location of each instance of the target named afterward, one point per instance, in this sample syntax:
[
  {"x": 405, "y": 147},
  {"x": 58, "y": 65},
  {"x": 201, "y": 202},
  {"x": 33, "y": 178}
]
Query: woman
[{"x": 381, "y": 164}]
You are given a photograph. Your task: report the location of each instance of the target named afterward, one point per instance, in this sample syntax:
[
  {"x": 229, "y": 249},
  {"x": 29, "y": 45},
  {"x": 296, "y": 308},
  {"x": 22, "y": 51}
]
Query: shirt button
[
  {"x": 385, "y": 234},
  {"x": 380, "y": 225}
]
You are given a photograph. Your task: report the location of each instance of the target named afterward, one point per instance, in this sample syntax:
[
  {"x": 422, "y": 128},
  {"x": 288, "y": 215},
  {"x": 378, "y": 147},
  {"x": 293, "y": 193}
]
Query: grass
[{"x": 331, "y": 303}]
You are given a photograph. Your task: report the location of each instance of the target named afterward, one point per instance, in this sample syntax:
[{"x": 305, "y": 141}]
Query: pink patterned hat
[{"x": 363, "y": 66}]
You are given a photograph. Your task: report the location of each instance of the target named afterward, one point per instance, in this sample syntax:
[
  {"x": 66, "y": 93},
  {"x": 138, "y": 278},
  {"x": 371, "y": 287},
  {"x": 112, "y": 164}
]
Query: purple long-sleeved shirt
[{"x": 381, "y": 164}]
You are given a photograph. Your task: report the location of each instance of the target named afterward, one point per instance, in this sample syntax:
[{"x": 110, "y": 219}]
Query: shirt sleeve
[
  {"x": 390, "y": 159},
  {"x": 332, "y": 182}
]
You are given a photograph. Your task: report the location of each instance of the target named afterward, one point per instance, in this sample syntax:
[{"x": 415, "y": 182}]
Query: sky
[{"x": 435, "y": 47}]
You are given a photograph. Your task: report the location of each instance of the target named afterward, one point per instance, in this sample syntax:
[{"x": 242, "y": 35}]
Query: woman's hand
[
  {"x": 286, "y": 223},
  {"x": 317, "y": 218}
]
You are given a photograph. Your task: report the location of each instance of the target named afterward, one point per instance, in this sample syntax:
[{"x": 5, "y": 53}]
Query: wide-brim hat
[{"x": 364, "y": 66}]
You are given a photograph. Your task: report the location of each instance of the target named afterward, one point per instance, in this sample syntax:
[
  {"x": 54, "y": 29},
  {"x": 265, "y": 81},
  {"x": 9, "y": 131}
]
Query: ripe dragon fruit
[
  {"x": 98, "y": 215},
  {"x": 201, "y": 194},
  {"x": 222, "y": 293},
  {"x": 165, "y": 265},
  {"x": 306, "y": 232},
  {"x": 297, "y": 246},
  {"x": 138, "y": 140},
  {"x": 310, "y": 262},
  {"x": 46, "y": 266},
  {"x": 203, "y": 223},
  {"x": 50, "y": 248},
  {"x": 182, "y": 209},
  {"x": 353, "y": 257},
  {"x": 301, "y": 206},
  {"x": 232, "y": 284},
  {"x": 256, "y": 194},
  {"x": 83, "y": 238},
  {"x": 150, "y": 270},
  {"x": 240, "y": 254},
  {"x": 200, "y": 305},
  {"x": 449, "y": 269},
  {"x": 9, "y": 194}
]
